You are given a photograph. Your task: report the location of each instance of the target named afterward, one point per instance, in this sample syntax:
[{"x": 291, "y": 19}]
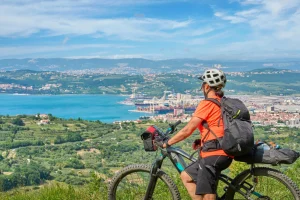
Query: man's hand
[
  {"x": 196, "y": 144},
  {"x": 158, "y": 141}
]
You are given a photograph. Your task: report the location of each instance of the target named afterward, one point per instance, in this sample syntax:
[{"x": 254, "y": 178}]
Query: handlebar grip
[{"x": 177, "y": 123}]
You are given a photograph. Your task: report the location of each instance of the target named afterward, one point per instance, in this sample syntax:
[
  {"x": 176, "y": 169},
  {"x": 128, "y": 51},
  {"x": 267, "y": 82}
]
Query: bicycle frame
[
  {"x": 158, "y": 163},
  {"x": 176, "y": 156}
]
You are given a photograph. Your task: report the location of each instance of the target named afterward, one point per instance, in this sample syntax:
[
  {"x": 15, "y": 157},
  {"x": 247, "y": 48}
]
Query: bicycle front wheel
[
  {"x": 264, "y": 184},
  {"x": 132, "y": 181}
]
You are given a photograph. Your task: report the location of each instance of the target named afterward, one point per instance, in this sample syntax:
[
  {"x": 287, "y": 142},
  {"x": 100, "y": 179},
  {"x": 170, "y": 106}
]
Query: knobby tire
[
  {"x": 139, "y": 170},
  {"x": 291, "y": 189}
]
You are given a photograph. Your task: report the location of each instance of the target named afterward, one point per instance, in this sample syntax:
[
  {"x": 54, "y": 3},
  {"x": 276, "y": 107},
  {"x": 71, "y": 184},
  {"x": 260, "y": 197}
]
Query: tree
[
  {"x": 51, "y": 117},
  {"x": 74, "y": 163},
  {"x": 73, "y": 137},
  {"x": 18, "y": 121},
  {"x": 59, "y": 140}
]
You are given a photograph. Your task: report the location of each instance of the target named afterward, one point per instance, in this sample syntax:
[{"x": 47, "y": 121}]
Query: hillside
[
  {"x": 262, "y": 82},
  {"x": 71, "y": 151}
]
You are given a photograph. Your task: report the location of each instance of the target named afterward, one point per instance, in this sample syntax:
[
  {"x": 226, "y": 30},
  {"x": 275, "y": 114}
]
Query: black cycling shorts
[{"x": 205, "y": 173}]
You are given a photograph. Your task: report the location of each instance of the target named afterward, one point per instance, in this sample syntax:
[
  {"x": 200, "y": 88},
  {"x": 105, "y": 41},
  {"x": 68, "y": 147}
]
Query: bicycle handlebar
[
  {"x": 170, "y": 130},
  {"x": 177, "y": 123}
]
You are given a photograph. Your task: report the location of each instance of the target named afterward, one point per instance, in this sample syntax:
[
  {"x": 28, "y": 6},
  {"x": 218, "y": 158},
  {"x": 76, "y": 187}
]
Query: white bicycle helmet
[{"x": 214, "y": 77}]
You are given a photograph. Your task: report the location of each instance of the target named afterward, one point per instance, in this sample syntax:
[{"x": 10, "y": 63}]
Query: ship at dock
[
  {"x": 136, "y": 99},
  {"x": 167, "y": 109},
  {"x": 172, "y": 103}
]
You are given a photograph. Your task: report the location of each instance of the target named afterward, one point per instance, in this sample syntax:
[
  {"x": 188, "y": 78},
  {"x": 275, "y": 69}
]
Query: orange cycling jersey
[{"x": 211, "y": 113}]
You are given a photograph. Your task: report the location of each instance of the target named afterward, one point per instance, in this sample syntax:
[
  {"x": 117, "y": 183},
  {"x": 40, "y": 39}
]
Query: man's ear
[{"x": 206, "y": 87}]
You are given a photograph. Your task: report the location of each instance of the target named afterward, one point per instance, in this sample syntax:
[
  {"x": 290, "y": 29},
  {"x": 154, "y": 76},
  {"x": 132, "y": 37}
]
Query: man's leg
[
  {"x": 209, "y": 196},
  {"x": 190, "y": 185}
]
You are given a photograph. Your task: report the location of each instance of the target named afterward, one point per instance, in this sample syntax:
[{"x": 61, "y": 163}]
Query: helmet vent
[{"x": 208, "y": 76}]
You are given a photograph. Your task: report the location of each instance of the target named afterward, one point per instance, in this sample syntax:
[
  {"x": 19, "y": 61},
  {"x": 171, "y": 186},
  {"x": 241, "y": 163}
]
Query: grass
[
  {"x": 96, "y": 190},
  {"x": 118, "y": 148}
]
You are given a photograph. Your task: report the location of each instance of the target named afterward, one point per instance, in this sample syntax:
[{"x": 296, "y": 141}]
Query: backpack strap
[
  {"x": 205, "y": 125},
  {"x": 214, "y": 101}
]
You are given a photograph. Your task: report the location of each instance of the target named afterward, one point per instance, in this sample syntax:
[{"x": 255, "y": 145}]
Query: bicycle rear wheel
[
  {"x": 132, "y": 181},
  {"x": 266, "y": 183}
]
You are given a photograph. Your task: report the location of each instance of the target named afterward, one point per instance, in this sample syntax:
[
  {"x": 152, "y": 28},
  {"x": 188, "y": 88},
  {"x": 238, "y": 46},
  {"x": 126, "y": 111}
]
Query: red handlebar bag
[{"x": 148, "y": 138}]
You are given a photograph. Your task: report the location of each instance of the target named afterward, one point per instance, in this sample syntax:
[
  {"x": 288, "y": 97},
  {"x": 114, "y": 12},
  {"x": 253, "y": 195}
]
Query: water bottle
[
  {"x": 266, "y": 146},
  {"x": 263, "y": 146}
]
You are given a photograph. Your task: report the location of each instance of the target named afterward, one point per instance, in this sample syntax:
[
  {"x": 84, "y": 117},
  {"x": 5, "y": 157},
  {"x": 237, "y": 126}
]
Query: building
[
  {"x": 44, "y": 122},
  {"x": 178, "y": 112},
  {"x": 270, "y": 109},
  {"x": 293, "y": 122}
]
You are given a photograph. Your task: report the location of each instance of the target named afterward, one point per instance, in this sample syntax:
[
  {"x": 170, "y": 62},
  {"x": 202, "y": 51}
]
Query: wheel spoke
[
  {"x": 271, "y": 185},
  {"x": 132, "y": 183}
]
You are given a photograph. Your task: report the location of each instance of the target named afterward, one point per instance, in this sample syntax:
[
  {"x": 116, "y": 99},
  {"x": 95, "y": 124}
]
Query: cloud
[
  {"x": 71, "y": 7},
  {"x": 207, "y": 39},
  {"x": 132, "y": 28},
  {"x": 274, "y": 10},
  {"x": 24, "y": 51},
  {"x": 257, "y": 28},
  {"x": 274, "y": 24},
  {"x": 53, "y": 18},
  {"x": 120, "y": 56},
  {"x": 247, "y": 13},
  {"x": 202, "y": 31},
  {"x": 233, "y": 19},
  {"x": 253, "y": 49},
  {"x": 66, "y": 39},
  {"x": 251, "y": 2}
]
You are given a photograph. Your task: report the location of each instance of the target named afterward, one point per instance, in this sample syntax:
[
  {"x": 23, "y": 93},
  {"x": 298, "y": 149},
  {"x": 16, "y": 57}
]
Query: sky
[{"x": 151, "y": 29}]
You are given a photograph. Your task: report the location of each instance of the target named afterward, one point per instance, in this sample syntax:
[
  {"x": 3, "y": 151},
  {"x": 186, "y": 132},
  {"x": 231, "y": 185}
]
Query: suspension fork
[{"x": 153, "y": 176}]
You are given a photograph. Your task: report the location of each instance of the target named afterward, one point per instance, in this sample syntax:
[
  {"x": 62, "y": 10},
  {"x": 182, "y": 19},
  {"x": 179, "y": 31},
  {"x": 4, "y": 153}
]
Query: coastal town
[
  {"x": 278, "y": 111},
  {"x": 261, "y": 81}
]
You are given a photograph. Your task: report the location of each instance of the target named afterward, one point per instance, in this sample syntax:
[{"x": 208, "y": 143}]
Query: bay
[{"x": 89, "y": 107}]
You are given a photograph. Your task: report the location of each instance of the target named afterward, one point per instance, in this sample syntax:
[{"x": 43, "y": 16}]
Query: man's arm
[{"x": 185, "y": 132}]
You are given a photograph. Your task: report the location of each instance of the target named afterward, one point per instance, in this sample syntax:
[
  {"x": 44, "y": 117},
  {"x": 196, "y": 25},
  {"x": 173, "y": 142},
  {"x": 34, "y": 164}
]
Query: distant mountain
[
  {"x": 263, "y": 81},
  {"x": 64, "y": 64}
]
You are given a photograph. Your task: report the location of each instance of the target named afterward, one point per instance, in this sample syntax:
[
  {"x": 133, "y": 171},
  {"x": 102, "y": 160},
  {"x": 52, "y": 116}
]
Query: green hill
[
  {"x": 84, "y": 153},
  {"x": 262, "y": 81}
]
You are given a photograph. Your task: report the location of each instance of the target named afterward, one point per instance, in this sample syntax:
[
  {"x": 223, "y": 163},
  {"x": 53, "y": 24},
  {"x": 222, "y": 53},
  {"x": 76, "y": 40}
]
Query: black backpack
[{"x": 238, "y": 133}]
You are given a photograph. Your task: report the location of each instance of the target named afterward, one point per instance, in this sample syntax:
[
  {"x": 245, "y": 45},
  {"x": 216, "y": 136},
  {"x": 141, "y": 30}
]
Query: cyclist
[{"x": 200, "y": 178}]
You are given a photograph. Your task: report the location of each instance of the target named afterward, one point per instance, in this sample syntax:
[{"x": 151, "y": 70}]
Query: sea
[{"x": 106, "y": 108}]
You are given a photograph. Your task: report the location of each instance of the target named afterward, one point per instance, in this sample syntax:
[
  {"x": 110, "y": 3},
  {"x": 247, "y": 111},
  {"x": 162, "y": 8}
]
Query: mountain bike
[{"x": 148, "y": 182}]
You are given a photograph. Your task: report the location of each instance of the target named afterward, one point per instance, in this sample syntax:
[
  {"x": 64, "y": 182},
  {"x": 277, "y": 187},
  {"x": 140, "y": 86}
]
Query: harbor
[{"x": 175, "y": 103}]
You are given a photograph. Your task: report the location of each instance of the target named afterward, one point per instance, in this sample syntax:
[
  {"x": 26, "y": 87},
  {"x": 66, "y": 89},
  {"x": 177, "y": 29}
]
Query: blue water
[{"x": 89, "y": 107}]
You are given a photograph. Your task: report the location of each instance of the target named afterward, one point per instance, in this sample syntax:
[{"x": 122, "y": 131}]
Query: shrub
[{"x": 18, "y": 121}]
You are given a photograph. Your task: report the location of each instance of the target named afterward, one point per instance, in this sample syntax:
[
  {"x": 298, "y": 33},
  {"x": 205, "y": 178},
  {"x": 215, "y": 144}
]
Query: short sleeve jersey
[{"x": 211, "y": 113}]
